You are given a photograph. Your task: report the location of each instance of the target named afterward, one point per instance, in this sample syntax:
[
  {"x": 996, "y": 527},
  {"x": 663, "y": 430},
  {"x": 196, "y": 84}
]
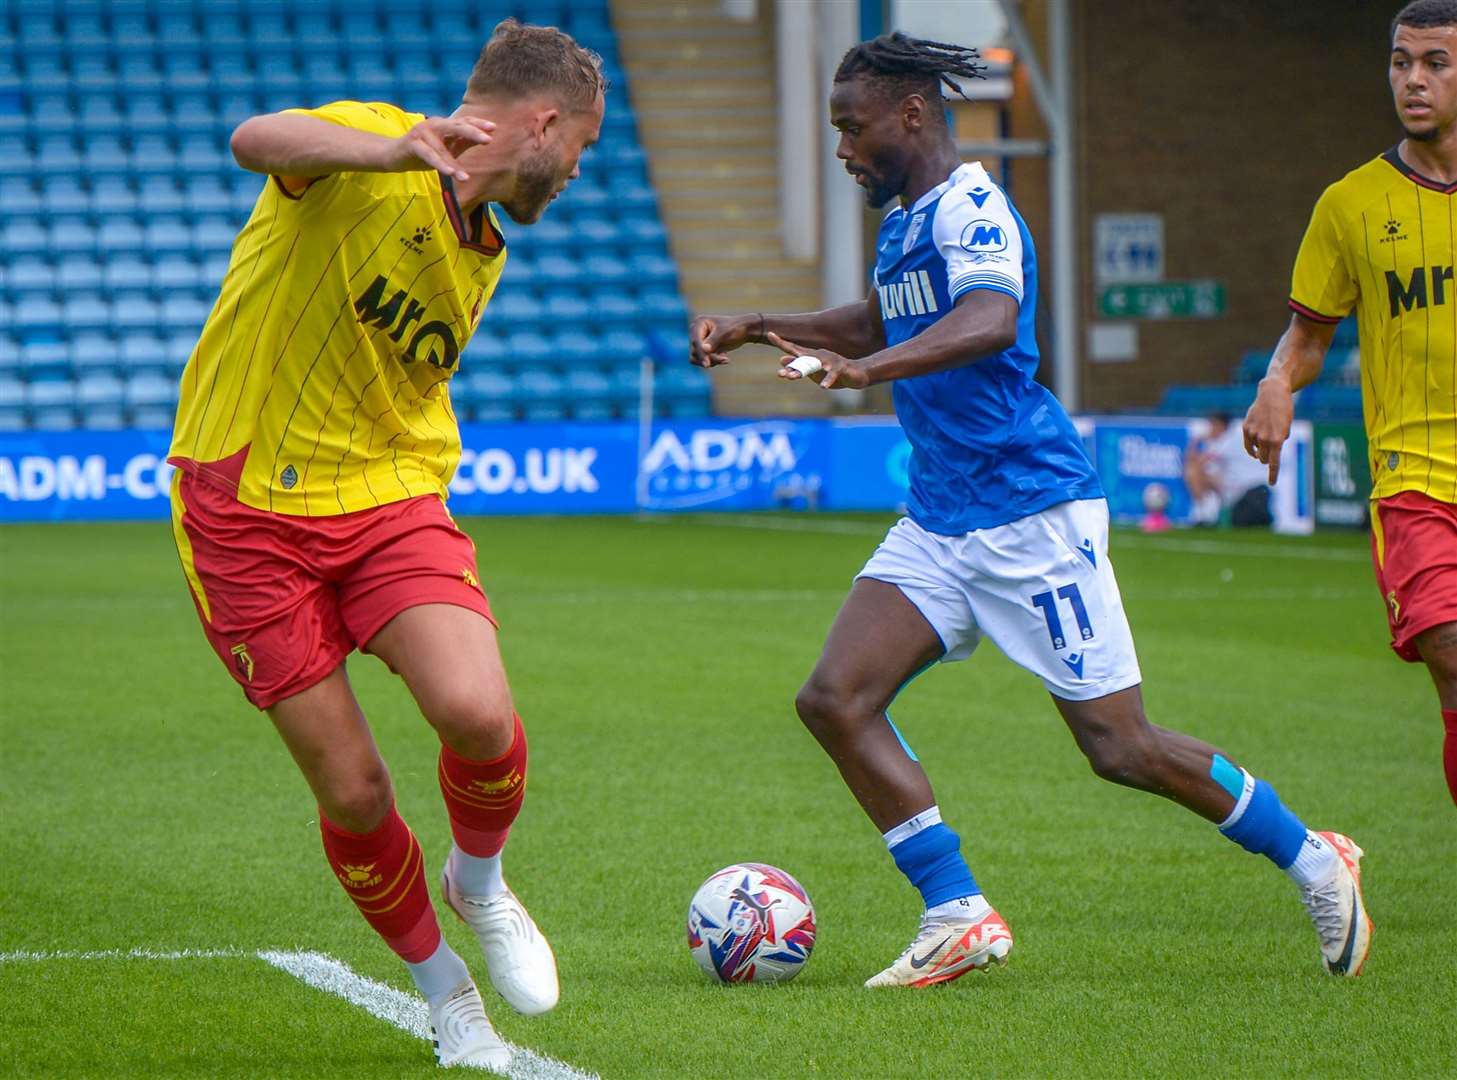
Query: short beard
[
  {"x": 535, "y": 185},
  {"x": 1429, "y": 135},
  {"x": 877, "y": 195}
]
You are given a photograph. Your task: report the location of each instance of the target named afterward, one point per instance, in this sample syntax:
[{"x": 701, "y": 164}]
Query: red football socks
[
  {"x": 383, "y": 871},
  {"x": 1449, "y": 750},
  {"x": 484, "y": 797}
]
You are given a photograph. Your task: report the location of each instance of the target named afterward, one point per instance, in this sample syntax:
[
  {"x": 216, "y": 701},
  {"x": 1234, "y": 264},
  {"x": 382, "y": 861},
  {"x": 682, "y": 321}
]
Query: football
[{"x": 751, "y": 923}]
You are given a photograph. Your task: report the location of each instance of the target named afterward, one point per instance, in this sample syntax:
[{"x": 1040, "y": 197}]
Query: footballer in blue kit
[{"x": 1006, "y": 528}]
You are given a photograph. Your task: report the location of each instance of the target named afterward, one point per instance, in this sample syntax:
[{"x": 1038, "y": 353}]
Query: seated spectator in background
[{"x": 1226, "y": 484}]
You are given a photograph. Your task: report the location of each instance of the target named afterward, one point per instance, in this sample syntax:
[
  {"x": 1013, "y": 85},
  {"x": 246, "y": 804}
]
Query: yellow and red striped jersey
[
  {"x": 1383, "y": 242},
  {"x": 320, "y": 382}
]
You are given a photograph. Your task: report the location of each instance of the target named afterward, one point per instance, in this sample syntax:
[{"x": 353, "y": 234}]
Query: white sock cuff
[
  {"x": 1243, "y": 801},
  {"x": 907, "y": 829}
]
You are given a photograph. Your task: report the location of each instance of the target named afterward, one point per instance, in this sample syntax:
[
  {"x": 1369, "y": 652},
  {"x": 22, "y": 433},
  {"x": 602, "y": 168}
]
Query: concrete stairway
[{"x": 703, "y": 89}]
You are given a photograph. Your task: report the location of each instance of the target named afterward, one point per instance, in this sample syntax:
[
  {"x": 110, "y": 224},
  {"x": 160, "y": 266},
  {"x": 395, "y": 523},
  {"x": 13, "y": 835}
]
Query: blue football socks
[
  {"x": 928, "y": 853},
  {"x": 1262, "y": 824}
]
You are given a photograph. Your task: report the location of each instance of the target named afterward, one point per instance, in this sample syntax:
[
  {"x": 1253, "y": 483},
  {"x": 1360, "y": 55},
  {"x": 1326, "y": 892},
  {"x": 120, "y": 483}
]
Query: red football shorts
[
  {"x": 1414, "y": 547},
  {"x": 284, "y": 599}
]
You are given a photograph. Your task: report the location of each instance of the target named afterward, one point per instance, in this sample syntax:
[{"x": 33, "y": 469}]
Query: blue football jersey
[{"x": 989, "y": 444}]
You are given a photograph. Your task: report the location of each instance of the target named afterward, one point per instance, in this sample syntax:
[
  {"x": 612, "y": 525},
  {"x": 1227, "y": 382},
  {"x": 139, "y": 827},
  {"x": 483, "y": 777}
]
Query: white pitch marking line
[{"x": 405, "y": 1011}]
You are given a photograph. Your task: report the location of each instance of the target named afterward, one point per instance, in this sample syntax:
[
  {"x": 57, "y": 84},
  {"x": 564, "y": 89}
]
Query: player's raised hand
[
  {"x": 711, "y": 337},
  {"x": 435, "y": 142},
  {"x": 827, "y": 368},
  {"x": 1267, "y": 424}
]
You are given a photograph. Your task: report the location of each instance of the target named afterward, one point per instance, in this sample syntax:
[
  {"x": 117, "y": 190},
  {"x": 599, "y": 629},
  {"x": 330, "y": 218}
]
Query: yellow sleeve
[
  {"x": 1322, "y": 287},
  {"x": 374, "y": 116}
]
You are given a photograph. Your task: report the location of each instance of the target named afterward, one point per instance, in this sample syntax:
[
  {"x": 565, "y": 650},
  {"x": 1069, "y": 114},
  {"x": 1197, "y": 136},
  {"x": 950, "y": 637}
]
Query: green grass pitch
[{"x": 145, "y": 805}]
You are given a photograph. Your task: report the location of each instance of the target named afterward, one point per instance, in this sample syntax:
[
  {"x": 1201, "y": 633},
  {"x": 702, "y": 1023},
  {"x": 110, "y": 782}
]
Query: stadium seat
[
  {"x": 75, "y": 273},
  {"x": 515, "y": 309},
  {"x": 612, "y": 309},
  {"x": 45, "y": 358},
  {"x": 624, "y": 347},
  {"x": 38, "y": 315},
  {"x": 172, "y": 273},
  {"x": 566, "y": 310},
  {"x": 97, "y": 390},
  {"x": 183, "y": 313},
  {"x": 589, "y": 394},
  {"x": 12, "y": 393},
  {"x": 112, "y": 196},
  {"x": 86, "y": 311},
  {"x": 61, "y": 199},
  {"x": 9, "y": 357},
  {"x": 30, "y": 274},
  {"x": 526, "y": 348},
  {"x": 118, "y": 236},
  {"x": 576, "y": 347},
  {"x": 606, "y": 269},
  {"x": 134, "y": 311},
  {"x": 57, "y": 394},
  {"x": 148, "y": 389},
  {"x": 19, "y": 197},
  {"x": 167, "y": 236},
  {"x": 542, "y": 393},
  {"x": 24, "y": 236},
  {"x": 93, "y": 352},
  {"x": 491, "y": 393},
  {"x": 160, "y": 195}
]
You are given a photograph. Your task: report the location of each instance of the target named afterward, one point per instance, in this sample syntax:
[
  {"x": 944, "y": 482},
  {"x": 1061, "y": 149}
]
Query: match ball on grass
[{"x": 751, "y": 922}]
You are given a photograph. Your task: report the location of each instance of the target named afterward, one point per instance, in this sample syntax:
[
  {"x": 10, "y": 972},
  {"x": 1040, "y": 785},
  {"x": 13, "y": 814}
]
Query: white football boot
[
  {"x": 519, "y": 959},
  {"x": 463, "y": 1035},
  {"x": 946, "y": 949},
  {"x": 1338, "y": 910}
]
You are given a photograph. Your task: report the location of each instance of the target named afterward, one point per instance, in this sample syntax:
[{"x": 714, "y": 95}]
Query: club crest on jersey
[
  {"x": 983, "y": 237},
  {"x": 911, "y": 295},
  {"x": 913, "y": 232}
]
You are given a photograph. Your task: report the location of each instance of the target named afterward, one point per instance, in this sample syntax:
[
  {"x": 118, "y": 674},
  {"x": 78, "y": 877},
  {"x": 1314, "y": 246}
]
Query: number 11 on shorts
[{"x": 1045, "y": 601}]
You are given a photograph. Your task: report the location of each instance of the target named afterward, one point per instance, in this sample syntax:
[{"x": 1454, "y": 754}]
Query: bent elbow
[{"x": 246, "y": 145}]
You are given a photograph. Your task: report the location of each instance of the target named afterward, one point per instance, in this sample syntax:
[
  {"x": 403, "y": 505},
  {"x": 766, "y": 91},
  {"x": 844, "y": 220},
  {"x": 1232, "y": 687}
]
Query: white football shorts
[{"x": 1041, "y": 587}]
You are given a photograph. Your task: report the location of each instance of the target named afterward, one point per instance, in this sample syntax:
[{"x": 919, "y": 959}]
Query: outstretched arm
[
  {"x": 299, "y": 148},
  {"x": 853, "y": 330},
  {"x": 1297, "y": 361},
  {"x": 983, "y": 322}
]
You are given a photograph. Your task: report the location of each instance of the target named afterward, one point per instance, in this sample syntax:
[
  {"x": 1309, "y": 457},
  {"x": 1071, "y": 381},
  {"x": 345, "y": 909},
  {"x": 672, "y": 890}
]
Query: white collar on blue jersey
[{"x": 965, "y": 171}]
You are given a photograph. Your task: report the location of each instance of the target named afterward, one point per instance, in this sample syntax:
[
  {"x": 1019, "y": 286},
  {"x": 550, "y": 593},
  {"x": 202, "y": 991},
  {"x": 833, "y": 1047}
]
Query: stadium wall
[
  {"x": 1229, "y": 119},
  {"x": 614, "y": 467}
]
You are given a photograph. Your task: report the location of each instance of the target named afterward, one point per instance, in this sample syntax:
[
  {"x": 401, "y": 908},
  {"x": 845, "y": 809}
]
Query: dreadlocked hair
[{"x": 911, "y": 65}]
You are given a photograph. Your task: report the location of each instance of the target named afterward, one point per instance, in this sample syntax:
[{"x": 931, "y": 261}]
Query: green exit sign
[{"x": 1163, "y": 300}]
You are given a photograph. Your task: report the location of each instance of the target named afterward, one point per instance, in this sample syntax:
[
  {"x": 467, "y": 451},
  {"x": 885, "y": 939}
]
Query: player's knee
[
  {"x": 358, "y": 801},
  {"x": 478, "y": 726},
  {"x": 1443, "y": 667},
  {"x": 1129, "y": 762},
  {"x": 826, "y": 707}
]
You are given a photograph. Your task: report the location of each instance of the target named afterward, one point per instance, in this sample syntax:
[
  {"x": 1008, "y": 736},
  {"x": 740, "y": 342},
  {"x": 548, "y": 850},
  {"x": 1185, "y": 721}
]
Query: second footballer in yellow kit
[
  {"x": 1382, "y": 243},
  {"x": 320, "y": 384},
  {"x": 314, "y": 444}
]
